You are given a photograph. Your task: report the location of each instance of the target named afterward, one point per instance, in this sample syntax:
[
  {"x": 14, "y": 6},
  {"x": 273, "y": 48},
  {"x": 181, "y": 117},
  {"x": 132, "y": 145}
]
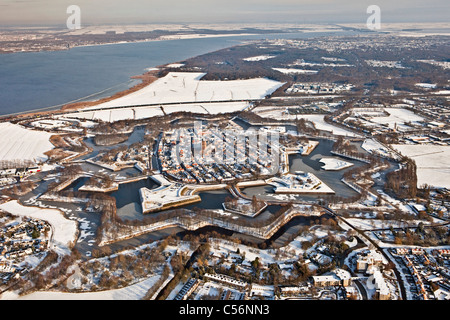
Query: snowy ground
[
  {"x": 259, "y": 58},
  {"x": 433, "y": 163},
  {"x": 178, "y": 87},
  {"x": 295, "y": 71},
  {"x": 397, "y": 118},
  {"x": 442, "y": 64},
  {"x": 320, "y": 124},
  {"x": 175, "y": 65},
  {"x": 387, "y": 64},
  {"x": 334, "y": 164},
  {"x": 133, "y": 292},
  {"x": 311, "y": 64},
  {"x": 136, "y": 291},
  {"x": 444, "y": 92},
  {"x": 374, "y": 147},
  {"x": 18, "y": 143},
  {"x": 50, "y": 124},
  {"x": 276, "y": 113},
  {"x": 137, "y": 113},
  {"x": 369, "y": 224},
  {"x": 317, "y": 119},
  {"x": 299, "y": 183},
  {"x": 426, "y": 85}
]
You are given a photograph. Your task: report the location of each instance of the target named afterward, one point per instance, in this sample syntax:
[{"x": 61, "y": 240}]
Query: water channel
[{"x": 129, "y": 206}]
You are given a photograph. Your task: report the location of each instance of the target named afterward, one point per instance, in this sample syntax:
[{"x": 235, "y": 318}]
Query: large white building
[{"x": 337, "y": 277}]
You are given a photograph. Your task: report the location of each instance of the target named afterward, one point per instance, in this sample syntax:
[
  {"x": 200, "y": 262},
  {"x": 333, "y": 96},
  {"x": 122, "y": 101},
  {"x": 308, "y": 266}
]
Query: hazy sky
[{"x": 53, "y": 12}]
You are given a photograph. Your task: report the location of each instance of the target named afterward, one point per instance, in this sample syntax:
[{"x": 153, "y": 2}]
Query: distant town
[{"x": 276, "y": 169}]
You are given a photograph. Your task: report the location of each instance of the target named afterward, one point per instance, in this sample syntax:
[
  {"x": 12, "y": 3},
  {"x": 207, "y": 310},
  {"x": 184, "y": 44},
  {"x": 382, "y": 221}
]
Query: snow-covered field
[
  {"x": 64, "y": 230},
  {"x": 211, "y": 108},
  {"x": 398, "y": 117},
  {"x": 433, "y": 163},
  {"x": 388, "y": 64},
  {"x": 369, "y": 224},
  {"x": 316, "y": 119},
  {"x": 334, "y": 164},
  {"x": 278, "y": 113},
  {"x": 133, "y": 292},
  {"x": 18, "y": 143},
  {"x": 259, "y": 58},
  {"x": 175, "y": 65},
  {"x": 200, "y": 35},
  {"x": 445, "y": 92},
  {"x": 136, "y": 113},
  {"x": 320, "y": 124},
  {"x": 178, "y": 87},
  {"x": 118, "y": 114},
  {"x": 442, "y": 64},
  {"x": 375, "y": 147},
  {"x": 311, "y": 64},
  {"x": 426, "y": 85},
  {"x": 295, "y": 71}
]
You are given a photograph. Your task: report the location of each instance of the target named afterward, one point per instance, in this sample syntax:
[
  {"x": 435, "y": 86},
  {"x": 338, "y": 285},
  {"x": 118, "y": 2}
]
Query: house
[
  {"x": 337, "y": 277},
  {"x": 6, "y": 267},
  {"x": 294, "y": 290},
  {"x": 188, "y": 288},
  {"x": 382, "y": 290},
  {"x": 418, "y": 208},
  {"x": 402, "y": 251},
  {"x": 227, "y": 280},
  {"x": 417, "y": 251},
  {"x": 369, "y": 258},
  {"x": 262, "y": 291}
]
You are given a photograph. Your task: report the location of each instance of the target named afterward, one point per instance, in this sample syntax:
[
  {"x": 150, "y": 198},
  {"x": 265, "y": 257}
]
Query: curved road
[{"x": 364, "y": 237}]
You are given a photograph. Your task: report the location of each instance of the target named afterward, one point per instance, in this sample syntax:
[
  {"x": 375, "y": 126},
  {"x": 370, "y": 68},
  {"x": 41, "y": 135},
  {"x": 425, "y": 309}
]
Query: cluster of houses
[
  {"x": 368, "y": 269},
  {"x": 233, "y": 289},
  {"x": 11, "y": 172},
  {"x": 19, "y": 171},
  {"x": 424, "y": 139},
  {"x": 427, "y": 275},
  {"x": 138, "y": 155},
  {"x": 21, "y": 239},
  {"x": 187, "y": 289},
  {"x": 217, "y": 160},
  {"x": 416, "y": 130},
  {"x": 438, "y": 112},
  {"x": 318, "y": 87}
]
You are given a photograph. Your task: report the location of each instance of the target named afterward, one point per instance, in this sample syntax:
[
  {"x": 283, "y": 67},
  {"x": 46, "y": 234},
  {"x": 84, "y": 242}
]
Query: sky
[{"x": 53, "y": 12}]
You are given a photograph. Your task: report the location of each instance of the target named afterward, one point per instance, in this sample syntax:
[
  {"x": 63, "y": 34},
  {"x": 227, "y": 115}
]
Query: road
[{"x": 368, "y": 242}]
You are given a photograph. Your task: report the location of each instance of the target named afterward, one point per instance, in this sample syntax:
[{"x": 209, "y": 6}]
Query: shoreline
[
  {"x": 146, "y": 78},
  {"x": 167, "y": 37}
]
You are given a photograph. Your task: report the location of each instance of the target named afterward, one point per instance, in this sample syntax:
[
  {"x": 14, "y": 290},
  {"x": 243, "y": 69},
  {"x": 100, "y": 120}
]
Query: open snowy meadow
[
  {"x": 433, "y": 163},
  {"x": 178, "y": 87},
  {"x": 22, "y": 143}
]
